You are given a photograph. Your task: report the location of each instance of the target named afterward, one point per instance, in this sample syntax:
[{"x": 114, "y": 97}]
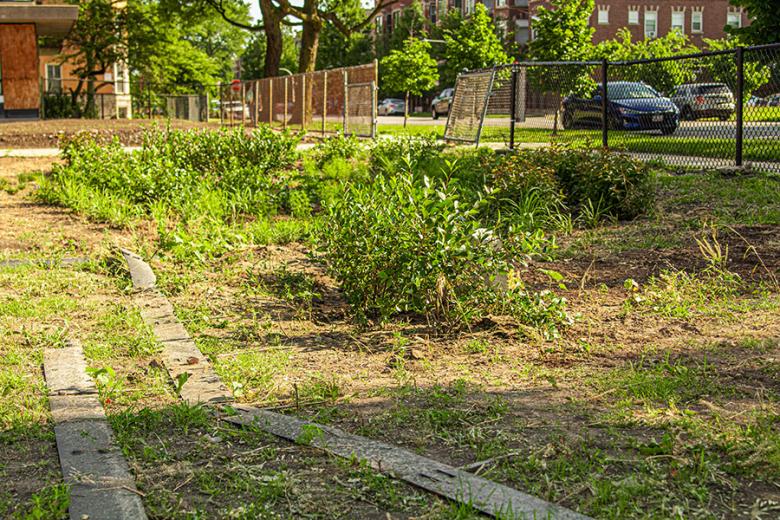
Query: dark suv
[{"x": 700, "y": 100}]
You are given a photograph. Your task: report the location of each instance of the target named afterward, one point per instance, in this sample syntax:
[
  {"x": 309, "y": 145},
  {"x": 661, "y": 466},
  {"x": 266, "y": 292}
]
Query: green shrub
[
  {"x": 402, "y": 244},
  {"x": 597, "y": 184},
  {"x": 337, "y": 147},
  {"x": 388, "y": 156}
]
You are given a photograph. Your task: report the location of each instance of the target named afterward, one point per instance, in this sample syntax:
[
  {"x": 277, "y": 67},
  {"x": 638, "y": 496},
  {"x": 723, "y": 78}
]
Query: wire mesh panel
[
  {"x": 761, "y": 106},
  {"x": 469, "y": 104},
  {"x": 361, "y": 110},
  {"x": 679, "y": 110},
  {"x": 187, "y": 107}
]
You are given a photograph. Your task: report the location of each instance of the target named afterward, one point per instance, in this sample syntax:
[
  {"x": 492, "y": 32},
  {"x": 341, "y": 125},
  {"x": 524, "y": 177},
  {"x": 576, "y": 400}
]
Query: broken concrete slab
[
  {"x": 140, "y": 272},
  {"x": 66, "y": 371},
  {"x": 485, "y": 495},
  {"x": 181, "y": 355},
  {"x": 101, "y": 485}
]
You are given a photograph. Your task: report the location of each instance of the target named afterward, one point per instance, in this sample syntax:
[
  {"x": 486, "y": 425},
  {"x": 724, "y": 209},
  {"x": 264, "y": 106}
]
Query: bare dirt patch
[{"x": 47, "y": 133}]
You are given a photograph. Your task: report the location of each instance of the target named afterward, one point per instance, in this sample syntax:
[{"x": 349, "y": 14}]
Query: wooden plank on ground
[{"x": 101, "y": 486}]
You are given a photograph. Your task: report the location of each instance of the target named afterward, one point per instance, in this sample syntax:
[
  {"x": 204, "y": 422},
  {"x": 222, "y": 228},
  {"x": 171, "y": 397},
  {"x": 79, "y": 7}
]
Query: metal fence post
[
  {"x": 243, "y": 103},
  {"x": 346, "y": 100},
  {"x": 513, "y": 108},
  {"x": 374, "y": 114},
  {"x": 257, "y": 103},
  {"x": 604, "y": 104},
  {"x": 270, "y": 101},
  {"x": 303, "y": 102},
  {"x": 324, "y": 101},
  {"x": 740, "y": 58},
  {"x": 284, "y": 123}
]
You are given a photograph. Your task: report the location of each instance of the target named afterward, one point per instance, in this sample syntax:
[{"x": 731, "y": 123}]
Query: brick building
[
  {"x": 644, "y": 18},
  {"x": 31, "y": 64}
]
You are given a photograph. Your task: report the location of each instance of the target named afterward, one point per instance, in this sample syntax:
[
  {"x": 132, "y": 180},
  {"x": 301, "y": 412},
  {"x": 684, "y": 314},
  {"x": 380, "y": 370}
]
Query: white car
[{"x": 391, "y": 107}]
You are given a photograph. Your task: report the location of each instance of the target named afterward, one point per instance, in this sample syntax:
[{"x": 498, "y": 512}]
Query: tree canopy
[
  {"x": 410, "y": 70},
  {"x": 765, "y": 24},
  {"x": 471, "y": 43}
]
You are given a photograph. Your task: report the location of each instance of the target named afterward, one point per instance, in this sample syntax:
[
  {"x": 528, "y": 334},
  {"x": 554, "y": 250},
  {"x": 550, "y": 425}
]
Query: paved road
[{"x": 704, "y": 129}]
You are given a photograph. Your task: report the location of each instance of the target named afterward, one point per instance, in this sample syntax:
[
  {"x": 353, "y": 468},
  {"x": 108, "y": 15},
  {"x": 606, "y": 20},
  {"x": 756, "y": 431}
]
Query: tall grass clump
[
  {"x": 408, "y": 244},
  {"x": 595, "y": 185},
  {"x": 208, "y": 191}
]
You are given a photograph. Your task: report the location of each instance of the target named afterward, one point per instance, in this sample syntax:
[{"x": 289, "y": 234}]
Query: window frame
[
  {"x": 697, "y": 16},
  {"x": 681, "y": 26},
  {"x": 602, "y": 12},
  {"x": 53, "y": 82},
  {"x": 655, "y": 24},
  {"x": 633, "y": 12},
  {"x": 739, "y": 19}
]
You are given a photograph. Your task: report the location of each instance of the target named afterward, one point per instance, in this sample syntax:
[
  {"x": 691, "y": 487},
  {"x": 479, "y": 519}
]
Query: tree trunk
[
  {"x": 310, "y": 40},
  {"x": 406, "y": 108},
  {"x": 272, "y": 24},
  {"x": 90, "y": 110}
]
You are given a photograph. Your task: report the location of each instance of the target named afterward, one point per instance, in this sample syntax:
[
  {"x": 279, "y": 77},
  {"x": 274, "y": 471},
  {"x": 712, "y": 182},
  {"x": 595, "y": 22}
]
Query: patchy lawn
[{"x": 659, "y": 401}]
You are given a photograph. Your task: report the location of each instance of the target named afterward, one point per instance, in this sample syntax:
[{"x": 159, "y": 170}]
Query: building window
[
  {"x": 651, "y": 24},
  {"x": 120, "y": 83},
  {"x": 678, "y": 21},
  {"x": 734, "y": 20},
  {"x": 633, "y": 16},
  {"x": 469, "y": 7},
  {"x": 432, "y": 12},
  {"x": 500, "y": 3},
  {"x": 697, "y": 22},
  {"x": 396, "y": 18},
  {"x": 603, "y": 15},
  {"x": 53, "y": 78}
]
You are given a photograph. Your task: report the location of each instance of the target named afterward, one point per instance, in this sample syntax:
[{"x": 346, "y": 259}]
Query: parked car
[
  {"x": 630, "y": 106},
  {"x": 755, "y": 101},
  {"x": 699, "y": 100},
  {"x": 391, "y": 107},
  {"x": 440, "y": 106},
  {"x": 772, "y": 101}
]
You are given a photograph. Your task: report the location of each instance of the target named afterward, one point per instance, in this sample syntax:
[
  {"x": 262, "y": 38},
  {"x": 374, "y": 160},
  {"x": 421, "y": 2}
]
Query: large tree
[
  {"x": 96, "y": 42},
  {"x": 471, "y": 43},
  {"x": 663, "y": 76},
  {"x": 347, "y": 16},
  {"x": 253, "y": 57},
  {"x": 723, "y": 68},
  {"x": 410, "y": 70},
  {"x": 562, "y": 33},
  {"x": 765, "y": 24}
]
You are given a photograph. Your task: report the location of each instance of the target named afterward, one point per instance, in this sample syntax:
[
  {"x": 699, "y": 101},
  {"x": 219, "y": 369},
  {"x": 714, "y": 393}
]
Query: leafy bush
[
  {"x": 337, "y": 147},
  {"x": 403, "y": 244},
  {"x": 388, "y": 156},
  {"x": 601, "y": 183},
  {"x": 208, "y": 191}
]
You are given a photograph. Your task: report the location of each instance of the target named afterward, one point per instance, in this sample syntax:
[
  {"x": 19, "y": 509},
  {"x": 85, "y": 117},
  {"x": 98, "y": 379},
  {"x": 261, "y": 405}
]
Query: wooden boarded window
[{"x": 19, "y": 58}]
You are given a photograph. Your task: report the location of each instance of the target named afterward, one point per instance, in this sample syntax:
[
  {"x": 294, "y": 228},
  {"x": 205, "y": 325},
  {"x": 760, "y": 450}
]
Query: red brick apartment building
[
  {"x": 31, "y": 66},
  {"x": 644, "y": 18}
]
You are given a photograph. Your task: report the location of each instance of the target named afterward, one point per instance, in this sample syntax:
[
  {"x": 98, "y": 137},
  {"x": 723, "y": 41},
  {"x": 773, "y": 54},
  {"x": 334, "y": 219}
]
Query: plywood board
[{"x": 19, "y": 62}]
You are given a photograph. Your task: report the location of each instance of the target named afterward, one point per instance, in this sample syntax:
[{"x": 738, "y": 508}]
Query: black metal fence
[
  {"x": 75, "y": 99},
  {"x": 702, "y": 110}
]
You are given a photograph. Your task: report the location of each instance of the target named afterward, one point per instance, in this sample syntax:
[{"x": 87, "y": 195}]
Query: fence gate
[{"x": 469, "y": 106}]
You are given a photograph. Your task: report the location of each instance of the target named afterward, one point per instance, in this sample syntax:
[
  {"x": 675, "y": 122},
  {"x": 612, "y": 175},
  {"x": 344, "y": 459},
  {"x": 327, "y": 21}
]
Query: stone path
[
  {"x": 200, "y": 384},
  {"x": 101, "y": 486}
]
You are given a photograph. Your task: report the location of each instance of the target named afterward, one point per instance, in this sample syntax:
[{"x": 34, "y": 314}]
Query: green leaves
[
  {"x": 472, "y": 43},
  {"x": 410, "y": 70}
]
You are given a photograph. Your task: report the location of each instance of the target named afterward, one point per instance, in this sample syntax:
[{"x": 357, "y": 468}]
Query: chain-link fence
[
  {"x": 328, "y": 101},
  {"x": 76, "y": 99},
  {"x": 702, "y": 110}
]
